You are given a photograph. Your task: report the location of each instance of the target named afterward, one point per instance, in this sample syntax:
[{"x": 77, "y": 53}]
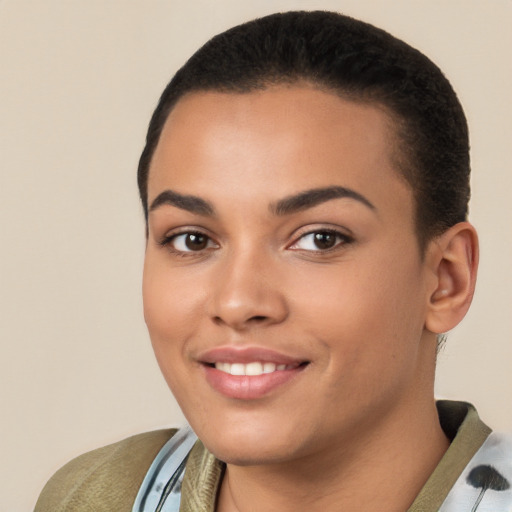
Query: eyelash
[
  {"x": 168, "y": 241},
  {"x": 341, "y": 239}
]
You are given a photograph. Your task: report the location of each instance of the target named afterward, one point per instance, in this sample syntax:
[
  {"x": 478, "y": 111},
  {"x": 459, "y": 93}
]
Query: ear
[{"x": 453, "y": 260}]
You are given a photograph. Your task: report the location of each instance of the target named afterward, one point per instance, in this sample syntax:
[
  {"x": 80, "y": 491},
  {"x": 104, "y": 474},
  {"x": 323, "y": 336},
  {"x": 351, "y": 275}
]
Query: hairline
[{"x": 400, "y": 158}]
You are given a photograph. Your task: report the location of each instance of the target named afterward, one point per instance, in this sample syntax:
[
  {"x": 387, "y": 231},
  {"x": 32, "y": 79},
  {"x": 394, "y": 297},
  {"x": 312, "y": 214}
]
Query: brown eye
[
  {"x": 321, "y": 240},
  {"x": 324, "y": 239},
  {"x": 196, "y": 241},
  {"x": 189, "y": 242}
]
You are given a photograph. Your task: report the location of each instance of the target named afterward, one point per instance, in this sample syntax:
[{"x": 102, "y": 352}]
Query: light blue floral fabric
[
  {"x": 485, "y": 485},
  {"x": 161, "y": 488}
]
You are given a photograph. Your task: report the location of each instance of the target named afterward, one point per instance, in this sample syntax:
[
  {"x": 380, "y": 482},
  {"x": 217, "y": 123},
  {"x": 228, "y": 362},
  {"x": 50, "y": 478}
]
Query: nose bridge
[{"x": 246, "y": 289}]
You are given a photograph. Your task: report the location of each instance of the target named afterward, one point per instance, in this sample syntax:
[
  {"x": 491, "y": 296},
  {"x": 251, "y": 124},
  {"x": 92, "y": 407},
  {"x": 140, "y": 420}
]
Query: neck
[{"x": 384, "y": 469}]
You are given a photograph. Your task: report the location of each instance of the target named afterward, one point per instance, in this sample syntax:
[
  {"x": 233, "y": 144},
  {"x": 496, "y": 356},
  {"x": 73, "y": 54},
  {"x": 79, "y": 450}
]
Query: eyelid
[
  {"x": 345, "y": 235},
  {"x": 167, "y": 240}
]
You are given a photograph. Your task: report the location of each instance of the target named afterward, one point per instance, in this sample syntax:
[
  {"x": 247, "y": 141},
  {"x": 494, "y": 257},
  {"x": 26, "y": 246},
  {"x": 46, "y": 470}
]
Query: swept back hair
[{"x": 356, "y": 61}]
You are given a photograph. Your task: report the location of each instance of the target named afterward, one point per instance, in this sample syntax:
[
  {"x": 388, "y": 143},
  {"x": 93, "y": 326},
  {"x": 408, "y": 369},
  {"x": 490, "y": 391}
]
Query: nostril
[
  {"x": 254, "y": 320},
  {"x": 258, "y": 318}
]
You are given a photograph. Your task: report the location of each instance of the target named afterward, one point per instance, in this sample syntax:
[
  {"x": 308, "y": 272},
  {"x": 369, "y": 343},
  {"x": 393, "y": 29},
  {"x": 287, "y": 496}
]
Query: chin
[
  {"x": 255, "y": 433},
  {"x": 251, "y": 446},
  {"x": 250, "y": 454}
]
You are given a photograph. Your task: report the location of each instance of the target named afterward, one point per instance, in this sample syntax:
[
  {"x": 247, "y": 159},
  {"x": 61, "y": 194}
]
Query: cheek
[
  {"x": 167, "y": 311},
  {"x": 372, "y": 313},
  {"x": 171, "y": 304}
]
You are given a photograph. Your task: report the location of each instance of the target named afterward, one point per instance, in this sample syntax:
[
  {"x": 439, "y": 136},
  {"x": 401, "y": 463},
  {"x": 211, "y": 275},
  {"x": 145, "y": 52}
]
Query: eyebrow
[
  {"x": 313, "y": 197},
  {"x": 288, "y": 205},
  {"x": 191, "y": 204}
]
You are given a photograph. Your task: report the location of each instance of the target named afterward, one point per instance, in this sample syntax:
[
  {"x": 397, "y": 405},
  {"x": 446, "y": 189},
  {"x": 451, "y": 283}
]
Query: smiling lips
[{"x": 248, "y": 373}]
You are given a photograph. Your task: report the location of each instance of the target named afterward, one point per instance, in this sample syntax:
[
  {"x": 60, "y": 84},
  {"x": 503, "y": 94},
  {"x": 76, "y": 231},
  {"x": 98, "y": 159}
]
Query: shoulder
[{"x": 105, "y": 479}]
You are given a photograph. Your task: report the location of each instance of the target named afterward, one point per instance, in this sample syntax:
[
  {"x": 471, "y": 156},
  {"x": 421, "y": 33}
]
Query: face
[{"x": 284, "y": 290}]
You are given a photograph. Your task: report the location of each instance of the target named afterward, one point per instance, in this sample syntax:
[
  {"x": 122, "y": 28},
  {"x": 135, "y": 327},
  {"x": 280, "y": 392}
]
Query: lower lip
[{"x": 249, "y": 387}]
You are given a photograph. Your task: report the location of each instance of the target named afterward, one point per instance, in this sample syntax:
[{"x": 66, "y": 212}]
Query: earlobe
[{"x": 454, "y": 261}]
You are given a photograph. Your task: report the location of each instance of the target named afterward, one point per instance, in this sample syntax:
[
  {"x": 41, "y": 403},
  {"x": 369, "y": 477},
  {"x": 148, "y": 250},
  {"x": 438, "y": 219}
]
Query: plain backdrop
[{"x": 78, "y": 82}]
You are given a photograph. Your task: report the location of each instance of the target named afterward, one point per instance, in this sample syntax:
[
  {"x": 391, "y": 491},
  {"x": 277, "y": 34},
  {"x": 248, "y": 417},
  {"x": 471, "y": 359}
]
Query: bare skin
[
  {"x": 358, "y": 483},
  {"x": 280, "y": 232}
]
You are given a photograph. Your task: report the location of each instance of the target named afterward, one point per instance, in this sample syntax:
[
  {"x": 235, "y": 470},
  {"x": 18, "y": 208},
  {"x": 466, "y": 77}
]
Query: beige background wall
[{"x": 78, "y": 81}]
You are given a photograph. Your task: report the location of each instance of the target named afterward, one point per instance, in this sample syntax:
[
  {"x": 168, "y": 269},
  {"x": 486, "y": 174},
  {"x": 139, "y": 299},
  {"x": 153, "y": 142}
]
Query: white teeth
[
  {"x": 237, "y": 369},
  {"x": 252, "y": 369},
  {"x": 269, "y": 367},
  {"x": 222, "y": 366}
]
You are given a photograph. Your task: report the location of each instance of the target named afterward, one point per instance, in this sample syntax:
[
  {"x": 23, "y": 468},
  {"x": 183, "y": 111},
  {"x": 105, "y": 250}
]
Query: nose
[{"x": 247, "y": 292}]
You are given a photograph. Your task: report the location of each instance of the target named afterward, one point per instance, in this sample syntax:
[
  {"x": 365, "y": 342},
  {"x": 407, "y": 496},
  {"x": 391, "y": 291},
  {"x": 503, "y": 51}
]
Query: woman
[{"x": 305, "y": 182}]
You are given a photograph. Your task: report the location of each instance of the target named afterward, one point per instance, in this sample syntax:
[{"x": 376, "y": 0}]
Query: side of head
[{"x": 359, "y": 62}]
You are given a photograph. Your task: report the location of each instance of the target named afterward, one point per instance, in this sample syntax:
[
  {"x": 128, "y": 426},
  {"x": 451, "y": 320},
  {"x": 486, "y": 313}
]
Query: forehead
[{"x": 293, "y": 137}]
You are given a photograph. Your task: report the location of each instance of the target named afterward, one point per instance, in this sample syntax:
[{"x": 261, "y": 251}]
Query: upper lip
[{"x": 245, "y": 355}]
